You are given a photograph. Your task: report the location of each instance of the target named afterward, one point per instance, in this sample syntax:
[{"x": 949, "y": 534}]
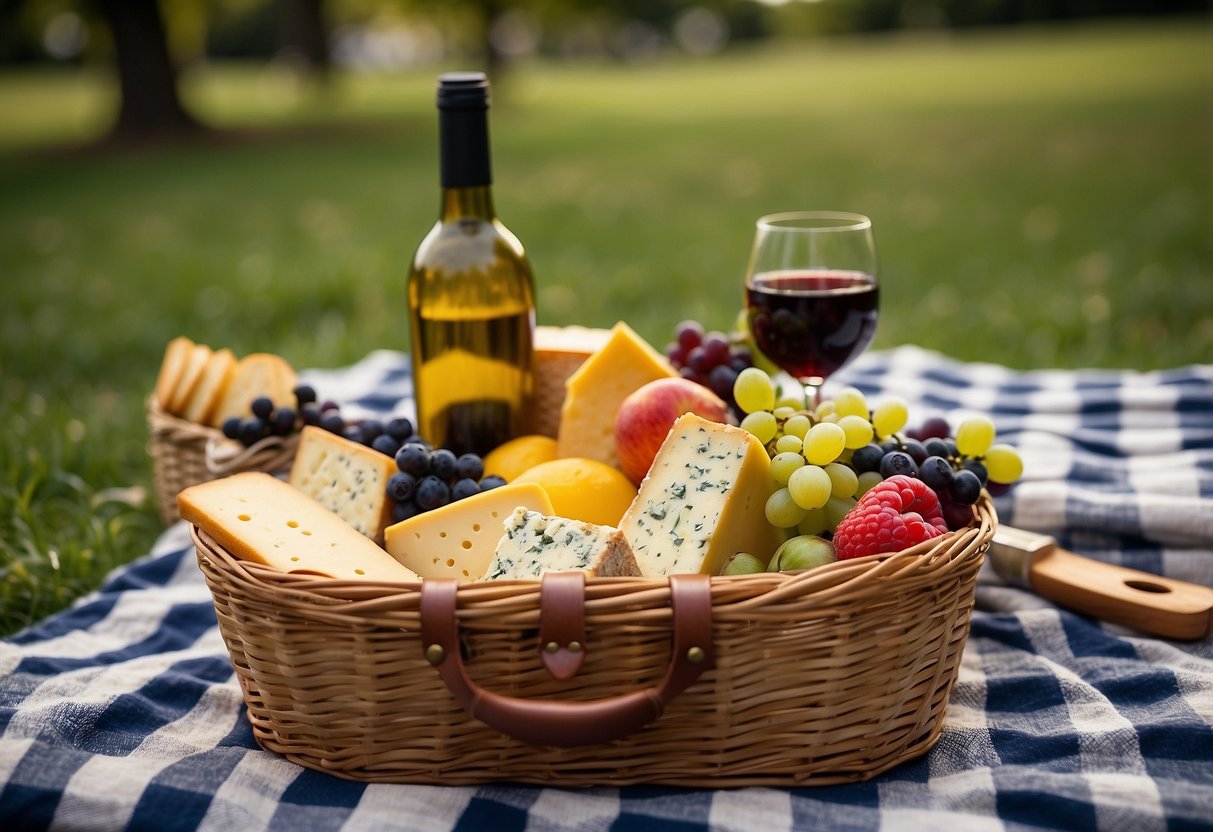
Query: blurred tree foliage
[{"x": 147, "y": 40}]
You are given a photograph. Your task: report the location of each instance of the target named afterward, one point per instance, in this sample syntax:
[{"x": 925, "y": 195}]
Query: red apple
[{"x": 646, "y": 416}]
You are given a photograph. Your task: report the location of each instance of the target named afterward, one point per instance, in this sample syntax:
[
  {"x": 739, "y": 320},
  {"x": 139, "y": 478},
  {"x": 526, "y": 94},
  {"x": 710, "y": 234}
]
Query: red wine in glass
[{"x": 812, "y": 322}]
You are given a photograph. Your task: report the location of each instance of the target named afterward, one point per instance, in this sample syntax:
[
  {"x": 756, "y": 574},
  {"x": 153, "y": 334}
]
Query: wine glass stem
[{"x": 812, "y": 392}]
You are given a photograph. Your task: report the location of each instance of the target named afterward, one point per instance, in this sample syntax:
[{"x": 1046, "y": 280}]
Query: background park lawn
[{"x": 1042, "y": 197}]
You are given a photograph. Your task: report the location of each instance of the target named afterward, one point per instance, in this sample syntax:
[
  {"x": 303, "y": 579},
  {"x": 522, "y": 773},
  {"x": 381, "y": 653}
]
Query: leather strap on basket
[
  {"x": 562, "y": 622},
  {"x": 567, "y": 724}
]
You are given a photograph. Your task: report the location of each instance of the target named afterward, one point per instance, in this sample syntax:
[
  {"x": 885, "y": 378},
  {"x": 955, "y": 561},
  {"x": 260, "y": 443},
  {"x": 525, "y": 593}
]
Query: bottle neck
[
  {"x": 474, "y": 202},
  {"x": 463, "y": 136}
]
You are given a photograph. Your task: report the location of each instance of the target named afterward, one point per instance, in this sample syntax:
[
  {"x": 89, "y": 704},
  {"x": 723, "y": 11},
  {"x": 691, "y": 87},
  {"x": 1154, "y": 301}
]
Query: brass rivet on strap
[
  {"x": 551, "y": 647},
  {"x": 695, "y": 655},
  {"x": 574, "y": 646},
  {"x": 434, "y": 654}
]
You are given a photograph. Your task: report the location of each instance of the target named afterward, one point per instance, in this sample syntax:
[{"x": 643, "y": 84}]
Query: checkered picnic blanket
[{"x": 123, "y": 712}]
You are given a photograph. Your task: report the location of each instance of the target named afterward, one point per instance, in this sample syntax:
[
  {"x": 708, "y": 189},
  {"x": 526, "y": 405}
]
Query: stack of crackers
[{"x": 209, "y": 386}]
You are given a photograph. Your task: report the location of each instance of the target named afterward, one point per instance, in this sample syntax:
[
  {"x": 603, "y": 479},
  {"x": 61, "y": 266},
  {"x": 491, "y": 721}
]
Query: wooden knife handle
[{"x": 1150, "y": 603}]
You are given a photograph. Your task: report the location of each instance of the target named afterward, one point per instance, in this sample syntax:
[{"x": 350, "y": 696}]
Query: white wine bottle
[{"x": 470, "y": 292}]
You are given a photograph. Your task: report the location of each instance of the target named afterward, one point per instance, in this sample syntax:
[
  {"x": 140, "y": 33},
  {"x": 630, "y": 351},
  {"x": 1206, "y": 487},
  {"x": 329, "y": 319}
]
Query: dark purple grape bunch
[
  {"x": 427, "y": 479},
  {"x": 929, "y": 453},
  {"x": 709, "y": 359},
  {"x": 270, "y": 419}
]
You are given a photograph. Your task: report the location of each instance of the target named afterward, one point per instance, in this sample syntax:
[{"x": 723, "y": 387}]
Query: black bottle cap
[{"x": 463, "y": 91}]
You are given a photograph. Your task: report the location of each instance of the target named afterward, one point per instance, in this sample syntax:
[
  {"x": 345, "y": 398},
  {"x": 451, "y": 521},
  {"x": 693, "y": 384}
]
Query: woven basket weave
[
  {"x": 185, "y": 453},
  {"x": 826, "y": 676}
]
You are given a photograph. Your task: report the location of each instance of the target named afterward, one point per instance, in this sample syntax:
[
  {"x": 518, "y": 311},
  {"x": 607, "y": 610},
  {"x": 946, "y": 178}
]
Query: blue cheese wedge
[
  {"x": 534, "y": 543},
  {"x": 345, "y": 477},
  {"x": 704, "y": 500}
]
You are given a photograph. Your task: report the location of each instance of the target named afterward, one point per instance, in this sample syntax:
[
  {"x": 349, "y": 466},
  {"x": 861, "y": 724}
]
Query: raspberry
[{"x": 894, "y": 515}]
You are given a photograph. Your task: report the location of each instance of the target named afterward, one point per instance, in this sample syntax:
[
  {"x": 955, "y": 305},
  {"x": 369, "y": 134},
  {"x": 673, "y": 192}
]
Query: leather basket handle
[{"x": 553, "y": 722}]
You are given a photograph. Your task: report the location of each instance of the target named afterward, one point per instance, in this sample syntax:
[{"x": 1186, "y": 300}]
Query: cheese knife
[{"x": 1150, "y": 603}]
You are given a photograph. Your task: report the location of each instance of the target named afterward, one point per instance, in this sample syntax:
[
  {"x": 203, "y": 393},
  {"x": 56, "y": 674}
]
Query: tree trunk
[
  {"x": 147, "y": 76},
  {"x": 303, "y": 33}
]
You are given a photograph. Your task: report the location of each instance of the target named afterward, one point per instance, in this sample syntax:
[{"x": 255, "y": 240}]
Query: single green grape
[
  {"x": 762, "y": 424},
  {"x": 867, "y": 480},
  {"x": 814, "y": 521},
  {"x": 858, "y": 429},
  {"x": 788, "y": 444},
  {"x": 810, "y": 486},
  {"x": 975, "y": 435},
  {"x": 802, "y": 552},
  {"x": 782, "y": 511},
  {"x": 784, "y": 413},
  {"x": 783, "y": 465},
  {"x": 823, "y": 443},
  {"x": 793, "y": 398},
  {"x": 890, "y": 416},
  {"x": 845, "y": 482},
  {"x": 743, "y": 563},
  {"x": 851, "y": 402},
  {"x": 753, "y": 390},
  {"x": 836, "y": 508},
  {"x": 797, "y": 425},
  {"x": 825, "y": 408},
  {"x": 1003, "y": 464}
]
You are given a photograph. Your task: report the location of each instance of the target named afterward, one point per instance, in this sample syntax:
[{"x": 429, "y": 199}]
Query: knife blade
[{"x": 1150, "y": 603}]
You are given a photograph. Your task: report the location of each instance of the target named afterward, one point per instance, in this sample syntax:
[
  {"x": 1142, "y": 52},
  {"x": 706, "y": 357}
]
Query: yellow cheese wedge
[
  {"x": 704, "y": 500},
  {"x": 345, "y": 477},
  {"x": 458, "y": 539},
  {"x": 210, "y": 386},
  {"x": 593, "y": 394},
  {"x": 259, "y": 518},
  {"x": 175, "y": 356}
]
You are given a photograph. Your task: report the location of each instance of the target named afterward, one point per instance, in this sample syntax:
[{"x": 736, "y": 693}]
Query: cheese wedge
[
  {"x": 593, "y": 393},
  {"x": 345, "y": 477},
  {"x": 210, "y": 386},
  {"x": 259, "y": 518},
  {"x": 534, "y": 543},
  {"x": 257, "y": 374},
  {"x": 704, "y": 500},
  {"x": 195, "y": 363},
  {"x": 458, "y": 540},
  {"x": 175, "y": 356},
  {"x": 559, "y": 351}
]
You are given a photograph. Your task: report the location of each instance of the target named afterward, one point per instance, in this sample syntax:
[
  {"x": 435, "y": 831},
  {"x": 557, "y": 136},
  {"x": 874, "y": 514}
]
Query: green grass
[{"x": 1041, "y": 198}]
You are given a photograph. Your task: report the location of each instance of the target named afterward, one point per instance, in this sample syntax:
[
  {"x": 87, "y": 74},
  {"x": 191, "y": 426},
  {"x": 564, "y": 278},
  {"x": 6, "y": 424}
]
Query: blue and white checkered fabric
[{"x": 123, "y": 712}]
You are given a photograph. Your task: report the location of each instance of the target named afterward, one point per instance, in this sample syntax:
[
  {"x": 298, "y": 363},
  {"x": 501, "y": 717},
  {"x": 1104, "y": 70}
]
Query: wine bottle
[{"x": 470, "y": 293}]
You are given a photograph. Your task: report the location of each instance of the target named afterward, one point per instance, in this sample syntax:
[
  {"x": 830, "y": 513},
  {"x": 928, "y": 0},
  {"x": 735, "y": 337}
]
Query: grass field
[{"x": 1041, "y": 198}]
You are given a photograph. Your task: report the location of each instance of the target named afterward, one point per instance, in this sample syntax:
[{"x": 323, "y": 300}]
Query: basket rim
[{"x": 957, "y": 550}]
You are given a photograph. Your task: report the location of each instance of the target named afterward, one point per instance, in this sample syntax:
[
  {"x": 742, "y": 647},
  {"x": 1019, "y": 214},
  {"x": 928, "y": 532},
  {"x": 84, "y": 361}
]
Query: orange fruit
[
  {"x": 517, "y": 455},
  {"x": 583, "y": 489}
]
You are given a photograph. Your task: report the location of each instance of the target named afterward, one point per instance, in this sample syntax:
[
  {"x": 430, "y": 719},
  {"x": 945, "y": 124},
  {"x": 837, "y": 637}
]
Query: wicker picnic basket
[
  {"x": 830, "y": 675},
  {"x": 185, "y": 453}
]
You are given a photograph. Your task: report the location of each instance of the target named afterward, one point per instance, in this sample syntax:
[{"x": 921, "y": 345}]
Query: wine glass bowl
[{"x": 812, "y": 295}]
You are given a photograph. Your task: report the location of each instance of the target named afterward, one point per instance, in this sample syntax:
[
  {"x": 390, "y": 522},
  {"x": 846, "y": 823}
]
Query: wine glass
[{"x": 811, "y": 292}]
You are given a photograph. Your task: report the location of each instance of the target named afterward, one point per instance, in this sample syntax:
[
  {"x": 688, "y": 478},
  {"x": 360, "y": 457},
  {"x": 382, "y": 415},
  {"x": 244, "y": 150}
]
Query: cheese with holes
[
  {"x": 534, "y": 543},
  {"x": 346, "y": 478},
  {"x": 593, "y": 393},
  {"x": 259, "y": 518},
  {"x": 704, "y": 500},
  {"x": 458, "y": 540}
]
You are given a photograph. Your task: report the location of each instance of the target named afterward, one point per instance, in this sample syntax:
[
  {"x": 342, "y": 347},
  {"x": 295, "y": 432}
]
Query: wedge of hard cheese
[
  {"x": 458, "y": 539},
  {"x": 345, "y": 477},
  {"x": 704, "y": 500},
  {"x": 262, "y": 519},
  {"x": 534, "y": 543},
  {"x": 594, "y": 392}
]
